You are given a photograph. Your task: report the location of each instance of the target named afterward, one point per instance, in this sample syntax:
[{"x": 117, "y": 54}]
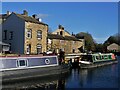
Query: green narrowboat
[{"x": 96, "y": 60}]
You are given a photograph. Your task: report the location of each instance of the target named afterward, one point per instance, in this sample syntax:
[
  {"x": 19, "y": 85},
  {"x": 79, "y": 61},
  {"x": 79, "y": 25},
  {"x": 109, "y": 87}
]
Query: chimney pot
[
  {"x": 60, "y": 26},
  {"x": 34, "y": 16},
  {"x": 25, "y": 13},
  {"x": 8, "y": 13}
]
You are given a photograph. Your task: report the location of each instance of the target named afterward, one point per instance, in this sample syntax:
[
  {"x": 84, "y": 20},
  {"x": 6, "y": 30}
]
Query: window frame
[
  {"x": 28, "y": 49},
  {"x": 39, "y": 34},
  {"x": 29, "y": 32},
  {"x": 38, "y": 46},
  {"x": 18, "y": 62},
  {"x": 5, "y": 34},
  {"x": 11, "y": 35}
]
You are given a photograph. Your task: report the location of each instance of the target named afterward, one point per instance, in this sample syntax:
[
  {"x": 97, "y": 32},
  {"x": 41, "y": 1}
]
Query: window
[
  {"x": 105, "y": 57},
  {"x": 5, "y": 34},
  {"x": 11, "y": 35},
  {"x": 61, "y": 32},
  {"x": 22, "y": 63},
  {"x": 39, "y": 34},
  {"x": 29, "y": 33},
  {"x": 98, "y": 57},
  {"x": 39, "y": 48},
  {"x": 10, "y": 47},
  {"x": 73, "y": 42},
  {"x": 102, "y": 57},
  {"x": 61, "y": 41},
  {"x": 73, "y": 50},
  {"x": 28, "y": 49}
]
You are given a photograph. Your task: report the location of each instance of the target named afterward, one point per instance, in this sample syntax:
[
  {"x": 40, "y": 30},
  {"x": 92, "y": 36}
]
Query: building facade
[
  {"x": 63, "y": 40},
  {"x": 113, "y": 47},
  {"x": 25, "y": 34}
]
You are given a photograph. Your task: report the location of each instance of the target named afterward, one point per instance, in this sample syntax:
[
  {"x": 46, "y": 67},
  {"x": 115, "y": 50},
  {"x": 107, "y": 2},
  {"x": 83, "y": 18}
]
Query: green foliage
[
  {"x": 113, "y": 39},
  {"x": 91, "y": 45},
  {"x": 89, "y": 42}
]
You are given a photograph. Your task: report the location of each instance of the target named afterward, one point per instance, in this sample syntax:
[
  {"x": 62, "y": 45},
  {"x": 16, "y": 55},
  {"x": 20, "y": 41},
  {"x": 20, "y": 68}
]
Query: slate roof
[
  {"x": 28, "y": 18},
  {"x": 54, "y": 36}
]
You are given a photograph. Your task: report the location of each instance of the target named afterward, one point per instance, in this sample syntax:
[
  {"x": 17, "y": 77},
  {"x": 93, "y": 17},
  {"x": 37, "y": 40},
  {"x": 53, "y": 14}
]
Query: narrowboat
[
  {"x": 97, "y": 60},
  {"x": 14, "y": 68}
]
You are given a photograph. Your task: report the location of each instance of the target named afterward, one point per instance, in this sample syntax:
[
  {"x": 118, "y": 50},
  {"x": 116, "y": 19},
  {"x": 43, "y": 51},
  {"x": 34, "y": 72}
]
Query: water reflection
[
  {"x": 101, "y": 77},
  {"x": 54, "y": 82}
]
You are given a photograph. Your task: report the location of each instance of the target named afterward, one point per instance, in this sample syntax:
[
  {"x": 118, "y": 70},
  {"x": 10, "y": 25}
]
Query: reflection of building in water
[
  {"x": 61, "y": 84},
  {"x": 86, "y": 78},
  {"x": 83, "y": 77},
  {"x": 48, "y": 83}
]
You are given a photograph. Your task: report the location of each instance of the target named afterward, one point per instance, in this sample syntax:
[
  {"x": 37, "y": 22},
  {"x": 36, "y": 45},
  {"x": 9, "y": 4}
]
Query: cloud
[
  {"x": 101, "y": 40},
  {"x": 42, "y": 15}
]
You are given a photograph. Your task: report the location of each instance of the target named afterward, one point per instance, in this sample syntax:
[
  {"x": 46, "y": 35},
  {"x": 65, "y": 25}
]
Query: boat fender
[
  {"x": 113, "y": 56},
  {"x": 47, "y": 61}
]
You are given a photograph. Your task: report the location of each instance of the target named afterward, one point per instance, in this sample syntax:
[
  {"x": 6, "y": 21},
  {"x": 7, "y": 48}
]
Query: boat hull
[
  {"x": 22, "y": 74},
  {"x": 29, "y": 67},
  {"x": 97, "y": 64}
]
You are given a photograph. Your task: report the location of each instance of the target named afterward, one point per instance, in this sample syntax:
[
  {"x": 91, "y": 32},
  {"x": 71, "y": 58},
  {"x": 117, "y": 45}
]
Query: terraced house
[
  {"x": 61, "y": 39},
  {"x": 25, "y": 34}
]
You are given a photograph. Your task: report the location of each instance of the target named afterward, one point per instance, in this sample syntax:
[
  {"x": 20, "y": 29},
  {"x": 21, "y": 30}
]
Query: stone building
[
  {"x": 25, "y": 34},
  {"x": 63, "y": 40},
  {"x": 113, "y": 47}
]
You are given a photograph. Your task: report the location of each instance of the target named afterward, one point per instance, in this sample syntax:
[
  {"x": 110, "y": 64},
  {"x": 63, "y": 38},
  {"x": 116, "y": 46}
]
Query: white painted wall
[{"x": 17, "y": 25}]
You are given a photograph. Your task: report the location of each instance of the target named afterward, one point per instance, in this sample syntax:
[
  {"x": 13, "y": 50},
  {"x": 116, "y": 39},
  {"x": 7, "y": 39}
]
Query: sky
[{"x": 100, "y": 19}]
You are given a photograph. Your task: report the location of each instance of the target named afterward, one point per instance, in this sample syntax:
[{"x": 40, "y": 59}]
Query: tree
[
  {"x": 112, "y": 39},
  {"x": 89, "y": 42},
  {"x": 99, "y": 47}
]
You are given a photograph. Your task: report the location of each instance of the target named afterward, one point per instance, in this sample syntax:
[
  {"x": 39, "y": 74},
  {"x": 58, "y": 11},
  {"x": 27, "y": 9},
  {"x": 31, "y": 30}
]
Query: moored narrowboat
[
  {"x": 97, "y": 60},
  {"x": 24, "y": 67}
]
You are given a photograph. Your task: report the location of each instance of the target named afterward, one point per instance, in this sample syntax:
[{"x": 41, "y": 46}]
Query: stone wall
[
  {"x": 66, "y": 45},
  {"x": 34, "y": 40}
]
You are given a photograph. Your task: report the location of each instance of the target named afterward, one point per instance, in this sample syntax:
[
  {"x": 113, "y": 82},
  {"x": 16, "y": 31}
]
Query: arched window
[
  {"x": 39, "y": 34},
  {"x": 39, "y": 48},
  {"x": 29, "y": 33},
  {"x": 28, "y": 49},
  {"x": 61, "y": 32}
]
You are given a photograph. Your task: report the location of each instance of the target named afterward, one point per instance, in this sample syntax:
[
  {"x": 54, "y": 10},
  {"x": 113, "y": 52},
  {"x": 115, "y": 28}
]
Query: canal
[{"x": 101, "y": 77}]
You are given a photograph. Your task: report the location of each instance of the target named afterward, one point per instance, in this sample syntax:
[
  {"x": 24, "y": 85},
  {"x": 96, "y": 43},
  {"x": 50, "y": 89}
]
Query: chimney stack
[
  {"x": 25, "y": 13},
  {"x": 8, "y": 13},
  {"x": 34, "y": 16},
  {"x": 60, "y": 27}
]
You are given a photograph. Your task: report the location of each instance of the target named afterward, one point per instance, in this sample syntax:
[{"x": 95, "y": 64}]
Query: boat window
[
  {"x": 93, "y": 57},
  {"x": 109, "y": 56},
  {"x": 86, "y": 58},
  {"x": 106, "y": 57},
  {"x": 97, "y": 57},
  {"x": 22, "y": 63},
  {"x": 102, "y": 57}
]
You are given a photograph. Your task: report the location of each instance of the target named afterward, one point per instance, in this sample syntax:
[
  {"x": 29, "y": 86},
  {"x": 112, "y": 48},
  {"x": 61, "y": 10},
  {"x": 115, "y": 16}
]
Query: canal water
[{"x": 101, "y": 77}]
